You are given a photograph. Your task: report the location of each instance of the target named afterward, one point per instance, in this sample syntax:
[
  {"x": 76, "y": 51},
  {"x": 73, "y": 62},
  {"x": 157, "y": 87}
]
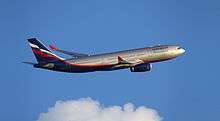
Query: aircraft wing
[
  {"x": 73, "y": 54},
  {"x": 136, "y": 62},
  {"x": 133, "y": 62}
]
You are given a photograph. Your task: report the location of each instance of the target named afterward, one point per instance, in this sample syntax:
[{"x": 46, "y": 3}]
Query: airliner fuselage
[{"x": 138, "y": 60}]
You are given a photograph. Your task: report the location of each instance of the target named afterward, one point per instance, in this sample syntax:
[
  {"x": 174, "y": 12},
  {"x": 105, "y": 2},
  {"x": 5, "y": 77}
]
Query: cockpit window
[{"x": 179, "y": 48}]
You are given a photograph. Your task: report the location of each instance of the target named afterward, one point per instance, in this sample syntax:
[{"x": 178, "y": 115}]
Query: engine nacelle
[{"x": 141, "y": 68}]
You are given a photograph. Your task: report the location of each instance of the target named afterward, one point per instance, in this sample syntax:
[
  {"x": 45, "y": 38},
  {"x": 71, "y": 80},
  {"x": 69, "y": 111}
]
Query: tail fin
[{"x": 42, "y": 54}]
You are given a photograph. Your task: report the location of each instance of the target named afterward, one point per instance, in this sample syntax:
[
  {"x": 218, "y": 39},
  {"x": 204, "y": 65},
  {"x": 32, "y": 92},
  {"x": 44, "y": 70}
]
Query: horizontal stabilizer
[
  {"x": 73, "y": 54},
  {"x": 29, "y": 63}
]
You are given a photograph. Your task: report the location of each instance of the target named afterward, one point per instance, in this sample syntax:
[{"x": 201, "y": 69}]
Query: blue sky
[{"x": 184, "y": 89}]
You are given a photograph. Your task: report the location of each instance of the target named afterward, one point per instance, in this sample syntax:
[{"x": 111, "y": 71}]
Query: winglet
[
  {"x": 53, "y": 47},
  {"x": 122, "y": 61}
]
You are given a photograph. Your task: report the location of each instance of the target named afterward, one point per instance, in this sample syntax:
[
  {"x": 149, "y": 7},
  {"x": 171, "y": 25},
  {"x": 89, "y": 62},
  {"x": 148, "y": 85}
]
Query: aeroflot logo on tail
[
  {"x": 42, "y": 52},
  {"x": 33, "y": 45}
]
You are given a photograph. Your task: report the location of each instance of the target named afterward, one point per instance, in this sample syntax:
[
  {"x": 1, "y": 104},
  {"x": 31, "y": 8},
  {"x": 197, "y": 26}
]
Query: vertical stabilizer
[{"x": 41, "y": 52}]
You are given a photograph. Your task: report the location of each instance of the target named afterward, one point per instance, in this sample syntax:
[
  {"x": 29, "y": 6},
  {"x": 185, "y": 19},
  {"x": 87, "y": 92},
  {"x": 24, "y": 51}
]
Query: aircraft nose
[{"x": 182, "y": 51}]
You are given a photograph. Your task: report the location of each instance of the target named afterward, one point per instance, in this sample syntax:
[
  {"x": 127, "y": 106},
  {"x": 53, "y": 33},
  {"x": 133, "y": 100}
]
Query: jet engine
[{"x": 141, "y": 68}]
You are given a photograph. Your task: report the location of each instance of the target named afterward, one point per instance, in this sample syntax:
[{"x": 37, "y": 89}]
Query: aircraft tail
[{"x": 41, "y": 52}]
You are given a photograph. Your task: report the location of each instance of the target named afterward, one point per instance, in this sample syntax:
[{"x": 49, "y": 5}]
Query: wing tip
[
  {"x": 53, "y": 47},
  {"x": 120, "y": 59}
]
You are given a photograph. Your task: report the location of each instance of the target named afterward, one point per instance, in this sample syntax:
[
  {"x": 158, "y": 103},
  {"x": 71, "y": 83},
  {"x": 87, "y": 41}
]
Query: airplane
[{"x": 137, "y": 60}]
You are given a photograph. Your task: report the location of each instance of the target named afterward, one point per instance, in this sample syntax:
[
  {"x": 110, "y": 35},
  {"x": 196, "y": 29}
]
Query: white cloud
[{"x": 86, "y": 109}]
